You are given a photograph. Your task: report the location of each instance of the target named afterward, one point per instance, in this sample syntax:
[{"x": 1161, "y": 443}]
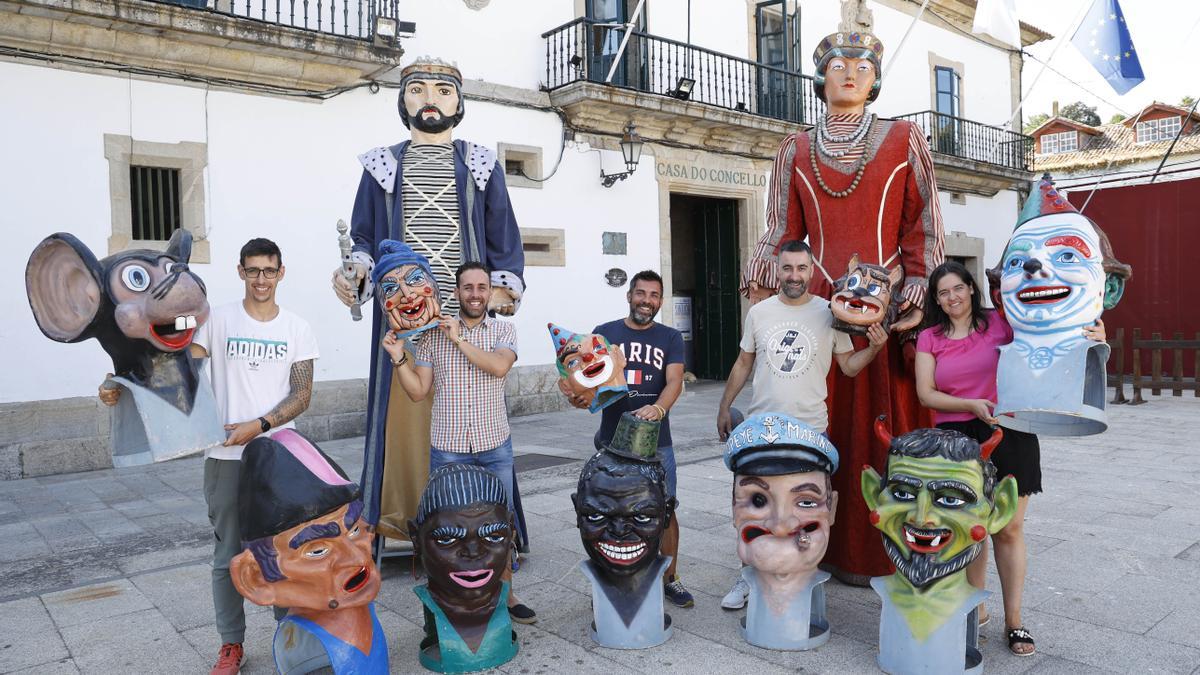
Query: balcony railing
[
  {"x": 968, "y": 139},
  {"x": 344, "y": 18},
  {"x": 585, "y": 50}
]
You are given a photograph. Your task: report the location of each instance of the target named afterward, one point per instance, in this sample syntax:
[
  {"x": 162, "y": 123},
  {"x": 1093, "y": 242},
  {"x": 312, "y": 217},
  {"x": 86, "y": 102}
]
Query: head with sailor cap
[{"x": 783, "y": 501}]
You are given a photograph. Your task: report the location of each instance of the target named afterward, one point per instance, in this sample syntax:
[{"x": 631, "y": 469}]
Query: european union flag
[{"x": 1103, "y": 39}]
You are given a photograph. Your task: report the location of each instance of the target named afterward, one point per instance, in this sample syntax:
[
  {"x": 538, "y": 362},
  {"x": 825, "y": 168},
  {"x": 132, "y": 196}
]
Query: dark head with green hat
[{"x": 621, "y": 504}]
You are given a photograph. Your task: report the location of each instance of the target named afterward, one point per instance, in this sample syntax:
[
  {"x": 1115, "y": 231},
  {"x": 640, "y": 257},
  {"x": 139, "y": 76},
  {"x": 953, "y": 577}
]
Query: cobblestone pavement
[{"x": 108, "y": 571}]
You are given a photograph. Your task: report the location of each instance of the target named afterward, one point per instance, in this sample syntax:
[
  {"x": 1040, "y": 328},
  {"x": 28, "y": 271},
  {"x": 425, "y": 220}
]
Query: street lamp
[{"x": 631, "y": 151}]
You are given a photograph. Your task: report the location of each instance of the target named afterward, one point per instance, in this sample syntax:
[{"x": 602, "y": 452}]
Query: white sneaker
[{"x": 736, "y": 597}]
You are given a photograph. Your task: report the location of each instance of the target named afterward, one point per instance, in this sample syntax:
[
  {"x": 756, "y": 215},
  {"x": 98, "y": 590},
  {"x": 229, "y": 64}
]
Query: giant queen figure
[
  {"x": 856, "y": 184},
  {"x": 447, "y": 200}
]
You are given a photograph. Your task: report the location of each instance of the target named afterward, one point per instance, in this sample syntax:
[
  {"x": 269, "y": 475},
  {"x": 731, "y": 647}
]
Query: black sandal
[{"x": 1020, "y": 636}]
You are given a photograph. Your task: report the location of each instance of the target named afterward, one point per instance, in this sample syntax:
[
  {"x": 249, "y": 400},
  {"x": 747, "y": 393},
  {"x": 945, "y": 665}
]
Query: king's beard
[
  {"x": 432, "y": 125},
  {"x": 922, "y": 569}
]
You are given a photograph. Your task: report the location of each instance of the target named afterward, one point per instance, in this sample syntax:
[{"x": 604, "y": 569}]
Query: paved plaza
[{"x": 108, "y": 571}]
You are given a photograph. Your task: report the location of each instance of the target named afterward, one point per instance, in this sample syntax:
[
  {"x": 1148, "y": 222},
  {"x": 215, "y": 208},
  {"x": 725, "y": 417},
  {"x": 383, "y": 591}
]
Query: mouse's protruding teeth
[
  {"x": 191, "y": 321},
  {"x": 180, "y": 323}
]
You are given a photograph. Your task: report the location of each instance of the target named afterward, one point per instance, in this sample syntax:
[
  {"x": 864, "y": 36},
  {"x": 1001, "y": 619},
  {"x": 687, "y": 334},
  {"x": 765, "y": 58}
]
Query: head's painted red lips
[
  {"x": 924, "y": 540},
  {"x": 858, "y": 304},
  {"x": 413, "y": 309},
  {"x": 752, "y": 532},
  {"x": 807, "y": 528},
  {"x": 358, "y": 581},
  {"x": 167, "y": 335}
]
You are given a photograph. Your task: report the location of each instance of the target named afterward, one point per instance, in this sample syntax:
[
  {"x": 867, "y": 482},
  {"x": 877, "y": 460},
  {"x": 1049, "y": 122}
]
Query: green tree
[
  {"x": 1187, "y": 102},
  {"x": 1035, "y": 120},
  {"x": 1080, "y": 112},
  {"x": 1117, "y": 117}
]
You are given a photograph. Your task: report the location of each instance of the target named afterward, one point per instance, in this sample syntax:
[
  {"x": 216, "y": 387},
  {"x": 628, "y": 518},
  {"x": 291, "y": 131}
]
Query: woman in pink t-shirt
[{"x": 956, "y": 377}]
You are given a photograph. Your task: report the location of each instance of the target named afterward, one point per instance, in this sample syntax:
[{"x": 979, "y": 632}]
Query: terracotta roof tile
[{"x": 1116, "y": 143}]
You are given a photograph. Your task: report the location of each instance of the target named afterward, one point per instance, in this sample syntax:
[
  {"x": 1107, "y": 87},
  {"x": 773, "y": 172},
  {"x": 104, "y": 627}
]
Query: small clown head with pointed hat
[
  {"x": 591, "y": 370},
  {"x": 1058, "y": 272}
]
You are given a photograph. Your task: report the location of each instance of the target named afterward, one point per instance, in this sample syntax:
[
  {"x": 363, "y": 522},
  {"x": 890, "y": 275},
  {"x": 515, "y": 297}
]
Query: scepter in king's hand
[{"x": 344, "y": 244}]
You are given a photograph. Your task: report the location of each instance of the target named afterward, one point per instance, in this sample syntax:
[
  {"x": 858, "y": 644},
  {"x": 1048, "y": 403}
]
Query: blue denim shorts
[{"x": 498, "y": 460}]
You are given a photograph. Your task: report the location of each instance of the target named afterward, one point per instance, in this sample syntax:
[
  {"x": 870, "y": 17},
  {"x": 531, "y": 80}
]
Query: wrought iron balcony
[
  {"x": 967, "y": 139},
  {"x": 586, "y": 50},
  {"x": 343, "y": 18}
]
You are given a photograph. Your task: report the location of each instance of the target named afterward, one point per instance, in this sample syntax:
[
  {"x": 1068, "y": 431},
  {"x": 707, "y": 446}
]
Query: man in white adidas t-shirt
[{"x": 262, "y": 371}]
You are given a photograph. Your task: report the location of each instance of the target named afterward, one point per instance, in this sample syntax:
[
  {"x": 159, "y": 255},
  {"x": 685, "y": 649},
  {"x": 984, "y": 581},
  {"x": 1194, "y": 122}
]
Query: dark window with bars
[{"x": 154, "y": 200}]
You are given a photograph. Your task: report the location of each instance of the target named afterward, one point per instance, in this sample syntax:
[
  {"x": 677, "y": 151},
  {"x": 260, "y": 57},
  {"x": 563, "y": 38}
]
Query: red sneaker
[{"x": 230, "y": 660}]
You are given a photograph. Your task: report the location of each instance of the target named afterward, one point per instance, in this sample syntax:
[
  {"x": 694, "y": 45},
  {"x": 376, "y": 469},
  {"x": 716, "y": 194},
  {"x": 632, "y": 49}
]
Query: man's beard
[
  {"x": 795, "y": 292},
  {"x": 639, "y": 320},
  {"x": 466, "y": 311},
  {"x": 923, "y": 569},
  {"x": 432, "y": 125}
]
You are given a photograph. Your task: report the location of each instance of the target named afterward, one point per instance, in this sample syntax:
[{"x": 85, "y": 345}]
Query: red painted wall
[{"x": 1156, "y": 229}]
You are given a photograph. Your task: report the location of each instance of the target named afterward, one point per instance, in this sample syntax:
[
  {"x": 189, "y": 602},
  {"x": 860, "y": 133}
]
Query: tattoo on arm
[{"x": 296, "y": 402}]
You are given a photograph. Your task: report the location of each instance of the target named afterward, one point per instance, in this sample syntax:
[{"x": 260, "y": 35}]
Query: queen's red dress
[{"x": 891, "y": 217}]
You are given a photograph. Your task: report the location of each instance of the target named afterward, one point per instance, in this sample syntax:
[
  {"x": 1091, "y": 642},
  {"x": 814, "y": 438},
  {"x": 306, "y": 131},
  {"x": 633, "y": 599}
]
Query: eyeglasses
[{"x": 254, "y": 272}]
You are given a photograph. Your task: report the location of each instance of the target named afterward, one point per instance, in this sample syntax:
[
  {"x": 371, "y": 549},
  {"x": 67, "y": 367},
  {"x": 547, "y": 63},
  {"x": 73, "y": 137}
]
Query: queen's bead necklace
[
  {"x": 862, "y": 161},
  {"x": 852, "y": 138}
]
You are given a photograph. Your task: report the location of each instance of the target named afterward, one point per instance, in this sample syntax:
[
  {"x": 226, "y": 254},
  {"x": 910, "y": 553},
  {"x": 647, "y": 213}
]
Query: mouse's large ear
[
  {"x": 180, "y": 246},
  {"x": 62, "y": 281}
]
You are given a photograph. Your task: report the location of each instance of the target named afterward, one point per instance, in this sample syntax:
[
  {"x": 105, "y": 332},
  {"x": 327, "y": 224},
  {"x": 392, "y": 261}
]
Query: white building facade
[{"x": 260, "y": 119}]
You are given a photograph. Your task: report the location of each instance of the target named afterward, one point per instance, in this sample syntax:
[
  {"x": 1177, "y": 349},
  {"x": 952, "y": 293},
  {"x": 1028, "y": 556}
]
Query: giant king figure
[{"x": 448, "y": 201}]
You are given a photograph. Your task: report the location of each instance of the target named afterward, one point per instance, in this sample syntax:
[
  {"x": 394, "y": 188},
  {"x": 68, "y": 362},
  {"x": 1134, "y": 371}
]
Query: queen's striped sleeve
[{"x": 922, "y": 238}]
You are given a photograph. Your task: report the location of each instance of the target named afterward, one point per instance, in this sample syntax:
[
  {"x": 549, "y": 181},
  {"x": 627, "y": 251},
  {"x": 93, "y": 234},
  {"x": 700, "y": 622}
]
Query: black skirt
[{"x": 1018, "y": 454}]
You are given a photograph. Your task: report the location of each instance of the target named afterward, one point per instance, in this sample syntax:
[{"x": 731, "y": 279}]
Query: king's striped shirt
[{"x": 431, "y": 219}]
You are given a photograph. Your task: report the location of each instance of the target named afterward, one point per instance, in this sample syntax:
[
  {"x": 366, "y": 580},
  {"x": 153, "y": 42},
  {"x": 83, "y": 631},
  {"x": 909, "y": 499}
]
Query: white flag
[{"x": 998, "y": 18}]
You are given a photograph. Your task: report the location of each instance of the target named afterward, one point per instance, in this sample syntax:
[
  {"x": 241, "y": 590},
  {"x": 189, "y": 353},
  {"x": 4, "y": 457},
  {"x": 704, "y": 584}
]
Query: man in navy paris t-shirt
[{"x": 654, "y": 372}]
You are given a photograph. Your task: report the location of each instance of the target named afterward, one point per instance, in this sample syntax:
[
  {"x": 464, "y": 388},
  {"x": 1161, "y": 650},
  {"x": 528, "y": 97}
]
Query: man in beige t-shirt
[
  {"x": 792, "y": 347},
  {"x": 789, "y": 344}
]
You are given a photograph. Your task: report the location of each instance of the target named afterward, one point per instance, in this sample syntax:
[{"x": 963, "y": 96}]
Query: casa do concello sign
[{"x": 711, "y": 174}]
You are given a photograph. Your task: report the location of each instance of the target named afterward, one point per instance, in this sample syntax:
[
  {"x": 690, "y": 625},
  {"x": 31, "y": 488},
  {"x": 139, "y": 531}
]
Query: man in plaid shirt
[{"x": 468, "y": 357}]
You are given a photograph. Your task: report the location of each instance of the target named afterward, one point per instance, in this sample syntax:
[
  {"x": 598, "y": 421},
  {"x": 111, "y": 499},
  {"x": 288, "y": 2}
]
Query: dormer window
[
  {"x": 1063, "y": 141},
  {"x": 1163, "y": 129}
]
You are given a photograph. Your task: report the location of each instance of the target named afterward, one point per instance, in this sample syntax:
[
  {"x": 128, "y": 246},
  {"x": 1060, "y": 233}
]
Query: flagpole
[
  {"x": 899, "y": 47},
  {"x": 1170, "y": 149},
  {"x": 1016, "y": 111},
  {"x": 624, "y": 41},
  {"x": 1045, "y": 64}
]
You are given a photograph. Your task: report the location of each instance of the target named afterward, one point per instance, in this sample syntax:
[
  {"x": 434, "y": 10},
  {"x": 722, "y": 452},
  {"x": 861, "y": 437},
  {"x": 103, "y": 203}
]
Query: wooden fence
[{"x": 1156, "y": 380}]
